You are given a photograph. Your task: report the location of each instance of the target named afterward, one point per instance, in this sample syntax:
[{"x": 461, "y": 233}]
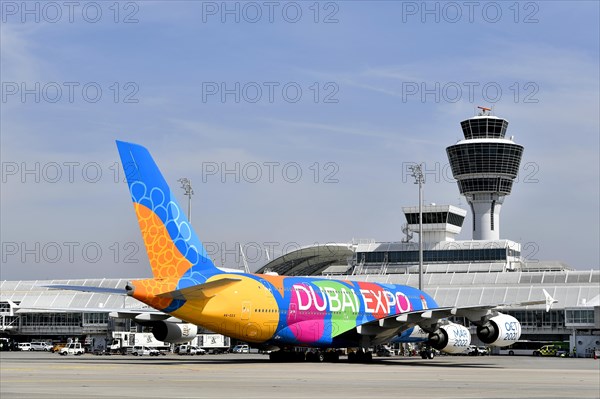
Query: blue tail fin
[{"x": 174, "y": 250}]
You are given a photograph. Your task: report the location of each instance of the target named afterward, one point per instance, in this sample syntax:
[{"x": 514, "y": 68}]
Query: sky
[{"x": 295, "y": 121}]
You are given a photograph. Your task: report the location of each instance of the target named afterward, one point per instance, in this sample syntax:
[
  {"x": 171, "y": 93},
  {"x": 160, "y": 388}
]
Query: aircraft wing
[
  {"x": 85, "y": 288},
  {"x": 471, "y": 312},
  {"x": 428, "y": 318}
]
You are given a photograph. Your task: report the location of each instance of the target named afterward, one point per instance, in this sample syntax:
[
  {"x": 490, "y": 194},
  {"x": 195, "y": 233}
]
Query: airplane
[{"x": 284, "y": 312}]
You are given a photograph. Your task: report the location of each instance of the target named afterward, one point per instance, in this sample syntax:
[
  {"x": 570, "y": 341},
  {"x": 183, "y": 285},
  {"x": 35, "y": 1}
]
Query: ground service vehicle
[
  {"x": 522, "y": 348},
  {"x": 24, "y": 346},
  {"x": 73, "y": 348},
  {"x": 41, "y": 346},
  {"x": 190, "y": 350},
  {"x": 275, "y": 311},
  {"x": 124, "y": 342},
  {"x": 5, "y": 344},
  {"x": 546, "y": 350},
  {"x": 477, "y": 351},
  {"x": 212, "y": 343},
  {"x": 57, "y": 347},
  {"x": 241, "y": 349},
  {"x": 140, "y": 350}
]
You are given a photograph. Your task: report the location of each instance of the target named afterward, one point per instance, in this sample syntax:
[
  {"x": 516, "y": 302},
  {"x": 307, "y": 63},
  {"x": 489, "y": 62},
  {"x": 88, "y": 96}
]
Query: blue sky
[{"x": 383, "y": 84}]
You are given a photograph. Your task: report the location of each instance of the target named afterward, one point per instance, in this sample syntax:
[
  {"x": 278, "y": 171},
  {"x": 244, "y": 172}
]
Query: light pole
[
  {"x": 186, "y": 184},
  {"x": 417, "y": 173}
]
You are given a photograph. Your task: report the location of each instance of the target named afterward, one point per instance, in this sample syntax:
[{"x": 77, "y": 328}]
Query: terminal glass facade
[
  {"x": 51, "y": 319},
  {"x": 437, "y": 256},
  {"x": 536, "y": 319},
  {"x": 580, "y": 316},
  {"x": 95, "y": 318}
]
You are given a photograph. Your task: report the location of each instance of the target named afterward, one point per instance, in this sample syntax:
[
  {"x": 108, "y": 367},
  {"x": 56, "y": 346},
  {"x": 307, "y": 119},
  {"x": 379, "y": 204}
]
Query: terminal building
[{"x": 485, "y": 269}]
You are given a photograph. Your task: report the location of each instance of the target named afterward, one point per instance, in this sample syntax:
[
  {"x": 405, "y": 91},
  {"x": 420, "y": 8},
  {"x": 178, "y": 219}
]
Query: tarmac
[{"x": 48, "y": 375}]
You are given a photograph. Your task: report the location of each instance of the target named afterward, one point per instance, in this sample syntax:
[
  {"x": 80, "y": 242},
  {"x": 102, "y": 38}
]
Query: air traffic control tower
[{"x": 485, "y": 164}]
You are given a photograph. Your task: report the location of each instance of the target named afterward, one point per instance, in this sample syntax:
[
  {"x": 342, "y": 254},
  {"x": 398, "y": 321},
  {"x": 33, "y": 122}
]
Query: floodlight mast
[
  {"x": 417, "y": 173},
  {"x": 186, "y": 184}
]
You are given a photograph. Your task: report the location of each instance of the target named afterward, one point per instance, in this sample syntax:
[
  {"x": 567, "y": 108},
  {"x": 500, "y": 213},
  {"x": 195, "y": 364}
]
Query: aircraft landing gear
[{"x": 427, "y": 353}]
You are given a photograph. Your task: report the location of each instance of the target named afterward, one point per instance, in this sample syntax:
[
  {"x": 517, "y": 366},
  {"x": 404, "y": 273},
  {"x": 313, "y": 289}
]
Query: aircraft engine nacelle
[
  {"x": 501, "y": 330},
  {"x": 174, "y": 333},
  {"x": 450, "y": 338}
]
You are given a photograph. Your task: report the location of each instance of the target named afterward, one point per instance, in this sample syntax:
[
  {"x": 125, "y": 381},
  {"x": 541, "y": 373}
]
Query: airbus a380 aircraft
[{"x": 280, "y": 311}]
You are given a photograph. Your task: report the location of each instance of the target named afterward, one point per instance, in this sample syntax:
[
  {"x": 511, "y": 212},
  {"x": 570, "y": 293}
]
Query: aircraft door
[
  {"x": 246, "y": 309},
  {"x": 292, "y": 312}
]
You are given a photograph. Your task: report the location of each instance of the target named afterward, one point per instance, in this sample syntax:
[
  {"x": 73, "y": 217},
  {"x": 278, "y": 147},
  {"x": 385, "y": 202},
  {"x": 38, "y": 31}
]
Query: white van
[
  {"x": 190, "y": 350},
  {"x": 24, "y": 346},
  {"x": 41, "y": 346},
  {"x": 241, "y": 349}
]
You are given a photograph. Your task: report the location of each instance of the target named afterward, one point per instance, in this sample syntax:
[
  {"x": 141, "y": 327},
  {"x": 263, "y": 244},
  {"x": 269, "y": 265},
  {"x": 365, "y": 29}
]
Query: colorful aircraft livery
[
  {"x": 255, "y": 308},
  {"x": 270, "y": 309}
]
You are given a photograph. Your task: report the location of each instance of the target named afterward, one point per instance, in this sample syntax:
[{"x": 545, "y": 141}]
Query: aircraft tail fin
[
  {"x": 174, "y": 250},
  {"x": 549, "y": 301}
]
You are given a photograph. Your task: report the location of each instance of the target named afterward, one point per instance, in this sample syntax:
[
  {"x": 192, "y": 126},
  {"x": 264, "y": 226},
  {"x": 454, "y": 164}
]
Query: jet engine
[
  {"x": 501, "y": 330},
  {"x": 174, "y": 333},
  {"x": 450, "y": 338}
]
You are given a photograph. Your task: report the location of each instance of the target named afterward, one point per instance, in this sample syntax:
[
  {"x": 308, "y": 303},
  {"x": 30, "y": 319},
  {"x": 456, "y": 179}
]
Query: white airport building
[
  {"x": 483, "y": 270},
  {"x": 486, "y": 269}
]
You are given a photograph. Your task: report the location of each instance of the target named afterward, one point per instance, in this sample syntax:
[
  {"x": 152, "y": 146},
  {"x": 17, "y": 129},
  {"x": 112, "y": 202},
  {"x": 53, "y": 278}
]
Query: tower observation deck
[{"x": 485, "y": 164}]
